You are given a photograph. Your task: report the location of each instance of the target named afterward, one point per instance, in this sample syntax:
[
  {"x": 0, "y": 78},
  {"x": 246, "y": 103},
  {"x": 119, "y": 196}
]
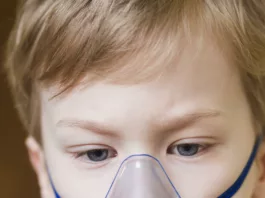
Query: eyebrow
[
  {"x": 166, "y": 124},
  {"x": 176, "y": 122},
  {"x": 88, "y": 125}
]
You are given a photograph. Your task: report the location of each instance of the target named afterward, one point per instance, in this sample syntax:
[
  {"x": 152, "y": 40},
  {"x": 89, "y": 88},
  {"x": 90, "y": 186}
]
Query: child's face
[{"x": 200, "y": 102}]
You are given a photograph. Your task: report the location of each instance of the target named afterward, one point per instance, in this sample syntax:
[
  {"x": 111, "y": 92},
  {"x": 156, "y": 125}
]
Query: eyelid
[
  {"x": 189, "y": 159},
  {"x": 86, "y": 147},
  {"x": 182, "y": 144},
  {"x": 197, "y": 140},
  {"x": 81, "y": 155},
  {"x": 205, "y": 143}
]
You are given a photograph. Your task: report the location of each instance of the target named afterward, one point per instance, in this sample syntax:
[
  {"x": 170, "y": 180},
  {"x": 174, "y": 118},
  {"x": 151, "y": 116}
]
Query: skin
[{"x": 200, "y": 100}]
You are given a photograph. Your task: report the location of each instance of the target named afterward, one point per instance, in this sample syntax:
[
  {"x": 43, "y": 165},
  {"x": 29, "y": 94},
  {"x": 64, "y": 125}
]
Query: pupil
[
  {"x": 98, "y": 155},
  {"x": 188, "y": 149}
]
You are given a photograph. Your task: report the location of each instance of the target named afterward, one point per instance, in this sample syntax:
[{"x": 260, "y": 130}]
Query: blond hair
[{"x": 58, "y": 42}]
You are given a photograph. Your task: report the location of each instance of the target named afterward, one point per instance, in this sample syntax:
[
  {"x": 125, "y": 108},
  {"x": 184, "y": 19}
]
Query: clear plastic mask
[{"x": 142, "y": 176}]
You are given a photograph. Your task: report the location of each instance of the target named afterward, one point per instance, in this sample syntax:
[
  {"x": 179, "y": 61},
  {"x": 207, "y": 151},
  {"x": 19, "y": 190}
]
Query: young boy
[{"x": 142, "y": 98}]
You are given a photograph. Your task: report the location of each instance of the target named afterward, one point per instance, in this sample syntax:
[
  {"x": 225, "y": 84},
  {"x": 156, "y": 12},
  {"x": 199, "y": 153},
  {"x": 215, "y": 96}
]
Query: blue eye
[
  {"x": 97, "y": 155},
  {"x": 185, "y": 150},
  {"x": 188, "y": 149}
]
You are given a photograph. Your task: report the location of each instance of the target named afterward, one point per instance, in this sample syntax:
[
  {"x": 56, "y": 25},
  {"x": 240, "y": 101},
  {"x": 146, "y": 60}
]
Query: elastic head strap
[
  {"x": 238, "y": 183},
  {"x": 53, "y": 188}
]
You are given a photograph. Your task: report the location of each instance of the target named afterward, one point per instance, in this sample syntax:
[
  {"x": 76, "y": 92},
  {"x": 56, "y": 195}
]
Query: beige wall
[{"x": 16, "y": 177}]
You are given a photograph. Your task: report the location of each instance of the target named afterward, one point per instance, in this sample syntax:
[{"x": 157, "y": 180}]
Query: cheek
[
  {"x": 248, "y": 188},
  {"x": 72, "y": 180},
  {"x": 207, "y": 183}
]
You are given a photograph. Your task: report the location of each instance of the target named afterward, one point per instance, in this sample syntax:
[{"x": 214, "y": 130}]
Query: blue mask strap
[
  {"x": 53, "y": 188},
  {"x": 238, "y": 183}
]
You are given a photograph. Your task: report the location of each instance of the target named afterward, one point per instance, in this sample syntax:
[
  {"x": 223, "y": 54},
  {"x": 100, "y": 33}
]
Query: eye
[
  {"x": 97, "y": 155},
  {"x": 186, "y": 149}
]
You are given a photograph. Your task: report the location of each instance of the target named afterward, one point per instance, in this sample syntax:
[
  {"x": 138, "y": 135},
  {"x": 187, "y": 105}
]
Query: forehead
[{"x": 195, "y": 80}]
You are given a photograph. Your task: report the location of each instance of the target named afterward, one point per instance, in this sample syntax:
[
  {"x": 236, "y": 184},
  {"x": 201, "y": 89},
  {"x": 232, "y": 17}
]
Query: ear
[
  {"x": 37, "y": 160},
  {"x": 260, "y": 187}
]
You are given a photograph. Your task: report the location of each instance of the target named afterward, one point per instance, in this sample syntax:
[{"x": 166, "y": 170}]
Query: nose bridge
[
  {"x": 141, "y": 145},
  {"x": 142, "y": 176}
]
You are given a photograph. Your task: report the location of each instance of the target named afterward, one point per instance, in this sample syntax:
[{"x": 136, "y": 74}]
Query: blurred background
[{"x": 17, "y": 180}]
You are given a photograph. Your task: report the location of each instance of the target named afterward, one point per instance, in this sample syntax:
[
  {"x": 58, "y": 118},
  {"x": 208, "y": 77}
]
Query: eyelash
[
  {"x": 111, "y": 153},
  {"x": 82, "y": 155},
  {"x": 199, "y": 150}
]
